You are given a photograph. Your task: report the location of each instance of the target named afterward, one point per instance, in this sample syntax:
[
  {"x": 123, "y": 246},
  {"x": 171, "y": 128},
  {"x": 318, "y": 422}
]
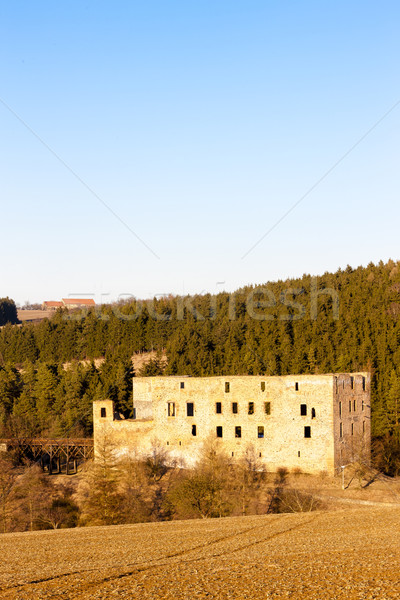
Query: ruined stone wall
[
  {"x": 125, "y": 435},
  {"x": 290, "y": 421},
  {"x": 352, "y": 418}
]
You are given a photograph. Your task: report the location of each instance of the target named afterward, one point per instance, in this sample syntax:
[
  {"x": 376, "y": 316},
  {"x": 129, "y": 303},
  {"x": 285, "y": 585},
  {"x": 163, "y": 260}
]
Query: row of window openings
[
  {"x": 352, "y": 406},
  {"x": 352, "y": 429},
  {"x": 260, "y": 431},
  {"x": 238, "y": 432},
  {"x": 228, "y": 386},
  {"x": 235, "y": 409},
  {"x": 351, "y": 383}
]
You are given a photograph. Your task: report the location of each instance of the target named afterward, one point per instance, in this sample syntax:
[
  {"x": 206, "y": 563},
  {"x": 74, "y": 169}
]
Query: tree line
[{"x": 343, "y": 321}]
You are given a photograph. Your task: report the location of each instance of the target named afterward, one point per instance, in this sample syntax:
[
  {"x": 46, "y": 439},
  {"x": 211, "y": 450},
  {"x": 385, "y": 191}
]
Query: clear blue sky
[{"x": 199, "y": 124}]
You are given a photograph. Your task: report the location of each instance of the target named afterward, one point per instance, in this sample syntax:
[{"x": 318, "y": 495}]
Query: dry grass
[{"x": 345, "y": 554}]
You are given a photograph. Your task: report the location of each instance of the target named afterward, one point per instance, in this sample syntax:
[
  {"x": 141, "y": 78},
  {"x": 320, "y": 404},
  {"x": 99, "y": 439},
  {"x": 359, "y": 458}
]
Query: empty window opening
[
  {"x": 218, "y": 408},
  {"x": 352, "y": 383},
  {"x": 233, "y": 454},
  {"x": 363, "y": 426},
  {"x": 296, "y": 386},
  {"x": 363, "y": 384},
  {"x": 194, "y": 430},
  {"x": 260, "y": 431},
  {"x": 180, "y": 443},
  {"x": 182, "y": 385},
  {"x": 349, "y": 405},
  {"x": 234, "y": 408},
  {"x": 341, "y": 430},
  {"x": 167, "y": 443},
  {"x": 362, "y": 405},
  {"x": 227, "y": 387},
  {"x": 335, "y": 385},
  {"x": 219, "y": 431},
  {"x": 267, "y": 408},
  {"x": 343, "y": 383},
  {"x": 263, "y": 386},
  {"x": 303, "y": 410},
  {"x": 190, "y": 409},
  {"x": 251, "y": 408},
  {"x": 171, "y": 409},
  {"x": 298, "y": 453},
  {"x": 238, "y": 431},
  {"x": 340, "y": 409},
  {"x": 313, "y": 413},
  {"x": 352, "y": 429},
  {"x": 103, "y": 412},
  {"x": 307, "y": 431},
  {"x": 259, "y": 454},
  {"x": 354, "y": 405}
]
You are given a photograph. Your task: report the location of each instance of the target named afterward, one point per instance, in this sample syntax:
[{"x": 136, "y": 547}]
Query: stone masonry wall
[
  {"x": 290, "y": 421},
  {"x": 352, "y": 418}
]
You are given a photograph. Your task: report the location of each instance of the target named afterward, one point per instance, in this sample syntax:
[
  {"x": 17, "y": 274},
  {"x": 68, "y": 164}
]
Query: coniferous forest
[{"x": 343, "y": 321}]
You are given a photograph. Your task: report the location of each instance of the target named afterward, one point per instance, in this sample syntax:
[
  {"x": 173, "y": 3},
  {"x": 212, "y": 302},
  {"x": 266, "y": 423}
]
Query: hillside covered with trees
[{"x": 343, "y": 321}]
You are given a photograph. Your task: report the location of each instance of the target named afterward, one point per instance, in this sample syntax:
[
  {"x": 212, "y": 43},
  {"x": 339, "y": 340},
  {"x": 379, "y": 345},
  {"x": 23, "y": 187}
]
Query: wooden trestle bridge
[{"x": 52, "y": 454}]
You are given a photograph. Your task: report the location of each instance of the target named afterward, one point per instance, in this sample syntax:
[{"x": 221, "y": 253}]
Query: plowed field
[{"x": 344, "y": 554}]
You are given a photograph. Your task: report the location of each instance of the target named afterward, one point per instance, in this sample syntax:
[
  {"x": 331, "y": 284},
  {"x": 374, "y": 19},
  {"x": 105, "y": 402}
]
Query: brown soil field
[
  {"x": 343, "y": 554},
  {"x": 34, "y": 315}
]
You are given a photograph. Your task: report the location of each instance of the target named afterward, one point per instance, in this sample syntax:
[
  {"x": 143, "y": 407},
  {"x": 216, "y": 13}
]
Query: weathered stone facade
[{"x": 312, "y": 422}]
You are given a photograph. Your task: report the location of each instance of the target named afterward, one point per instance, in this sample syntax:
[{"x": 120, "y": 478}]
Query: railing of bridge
[{"x": 50, "y": 451}]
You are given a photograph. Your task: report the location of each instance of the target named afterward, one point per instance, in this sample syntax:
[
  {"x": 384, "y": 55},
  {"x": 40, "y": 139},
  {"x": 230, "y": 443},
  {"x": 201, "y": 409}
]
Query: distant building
[
  {"x": 78, "y": 302},
  {"x": 51, "y": 305},
  {"x": 311, "y": 422}
]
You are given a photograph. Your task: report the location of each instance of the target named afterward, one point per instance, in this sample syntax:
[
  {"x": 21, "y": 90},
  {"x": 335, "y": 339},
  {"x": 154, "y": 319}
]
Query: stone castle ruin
[{"x": 312, "y": 422}]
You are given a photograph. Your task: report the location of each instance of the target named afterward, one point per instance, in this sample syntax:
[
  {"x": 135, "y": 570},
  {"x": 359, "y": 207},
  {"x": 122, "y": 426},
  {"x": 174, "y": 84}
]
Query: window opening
[
  {"x": 303, "y": 410},
  {"x": 349, "y": 405},
  {"x": 313, "y": 413},
  {"x": 219, "y": 431},
  {"x": 260, "y": 431},
  {"x": 103, "y": 412},
  {"x": 251, "y": 408},
  {"x": 238, "y": 431},
  {"x": 182, "y": 385},
  {"x": 263, "y": 386},
  {"x": 194, "y": 430},
  {"x": 352, "y": 429},
  {"x": 227, "y": 387},
  {"x": 218, "y": 408},
  {"x": 171, "y": 409},
  {"x": 235, "y": 408},
  {"x": 267, "y": 408},
  {"x": 298, "y": 453},
  {"x": 341, "y": 430},
  {"x": 352, "y": 382},
  {"x": 363, "y": 384},
  {"x": 296, "y": 386},
  {"x": 354, "y": 405},
  {"x": 307, "y": 431},
  {"x": 340, "y": 409},
  {"x": 190, "y": 409}
]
